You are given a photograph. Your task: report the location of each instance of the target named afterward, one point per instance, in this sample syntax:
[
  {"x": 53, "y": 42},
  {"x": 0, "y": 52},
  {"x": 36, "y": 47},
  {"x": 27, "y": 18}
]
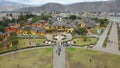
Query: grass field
[
  {"x": 37, "y": 58},
  {"x": 81, "y": 42},
  {"x": 82, "y": 58}
]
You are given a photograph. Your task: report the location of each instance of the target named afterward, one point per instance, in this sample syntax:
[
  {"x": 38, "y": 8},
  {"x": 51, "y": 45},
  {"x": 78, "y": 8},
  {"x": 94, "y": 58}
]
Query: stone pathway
[
  {"x": 59, "y": 55},
  {"x": 58, "y": 59}
]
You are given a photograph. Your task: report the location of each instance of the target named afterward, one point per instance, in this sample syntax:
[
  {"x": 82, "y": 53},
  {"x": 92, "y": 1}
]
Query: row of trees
[
  {"x": 103, "y": 22},
  {"x": 42, "y": 17},
  {"x": 11, "y": 41},
  {"x": 13, "y": 38},
  {"x": 21, "y": 19},
  {"x": 73, "y": 17}
]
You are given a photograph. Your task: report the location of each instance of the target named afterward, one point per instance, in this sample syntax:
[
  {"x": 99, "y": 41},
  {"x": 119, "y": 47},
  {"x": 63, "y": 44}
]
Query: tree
[
  {"x": 7, "y": 14},
  {"x": 84, "y": 38},
  {"x": 103, "y": 22},
  {"x": 13, "y": 34},
  {"x": 81, "y": 31},
  {"x": 1, "y": 28},
  {"x": 50, "y": 23},
  {"x": 13, "y": 38},
  {"x": 45, "y": 17},
  {"x": 11, "y": 15},
  {"x": 73, "y": 17},
  {"x": 68, "y": 22},
  {"x": 1, "y": 38},
  {"x": 27, "y": 28}
]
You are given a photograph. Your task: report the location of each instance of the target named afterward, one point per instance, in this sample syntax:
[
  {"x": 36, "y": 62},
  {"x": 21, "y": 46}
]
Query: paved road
[
  {"x": 24, "y": 50},
  {"x": 113, "y": 37},
  {"x": 103, "y": 36},
  {"x": 106, "y": 50},
  {"x": 58, "y": 60},
  {"x": 115, "y": 19}
]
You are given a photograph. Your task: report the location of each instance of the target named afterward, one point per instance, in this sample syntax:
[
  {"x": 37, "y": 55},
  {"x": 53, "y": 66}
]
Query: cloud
[{"x": 39, "y": 2}]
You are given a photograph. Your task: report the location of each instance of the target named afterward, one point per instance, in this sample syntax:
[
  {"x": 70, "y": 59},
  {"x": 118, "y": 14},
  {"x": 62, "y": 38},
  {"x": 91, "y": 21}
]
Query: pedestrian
[{"x": 111, "y": 41}]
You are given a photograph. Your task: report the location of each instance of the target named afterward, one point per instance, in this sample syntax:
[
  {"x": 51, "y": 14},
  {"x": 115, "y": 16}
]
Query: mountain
[
  {"x": 108, "y": 6},
  {"x": 10, "y": 6},
  {"x": 45, "y": 7},
  {"x": 52, "y": 7}
]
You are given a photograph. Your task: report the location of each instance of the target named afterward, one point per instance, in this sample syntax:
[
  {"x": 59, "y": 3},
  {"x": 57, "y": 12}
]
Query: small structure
[{"x": 99, "y": 31}]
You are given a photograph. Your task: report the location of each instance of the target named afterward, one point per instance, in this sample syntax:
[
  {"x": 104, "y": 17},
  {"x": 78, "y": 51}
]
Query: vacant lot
[
  {"x": 83, "y": 58},
  {"x": 37, "y": 58}
]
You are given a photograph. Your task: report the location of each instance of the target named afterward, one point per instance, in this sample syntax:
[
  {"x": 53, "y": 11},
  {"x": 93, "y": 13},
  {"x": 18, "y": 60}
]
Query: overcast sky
[{"x": 39, "y": 2}]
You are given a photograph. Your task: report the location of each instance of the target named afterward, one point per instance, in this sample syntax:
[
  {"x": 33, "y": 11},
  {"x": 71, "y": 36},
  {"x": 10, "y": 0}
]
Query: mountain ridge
[
  {"x": 10, "y": 6},
  {"x": 107, "y": 6}
]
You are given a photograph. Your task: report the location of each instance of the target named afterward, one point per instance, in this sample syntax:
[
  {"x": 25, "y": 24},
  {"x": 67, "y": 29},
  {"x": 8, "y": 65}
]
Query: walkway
[
  {"x": 111, "y": 47},
  {"x": 24, "y": 50},
  {"x": 58, "y": 60},
  {"x": 103, "y": 36}
]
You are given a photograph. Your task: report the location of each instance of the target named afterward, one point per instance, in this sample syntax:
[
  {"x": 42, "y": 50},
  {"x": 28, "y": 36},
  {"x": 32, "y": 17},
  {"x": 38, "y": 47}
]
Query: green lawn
[
  {"x": 37, "y": 58},
  {"x": 81, "y": 42},
  {"x": 83, "y": 58},
  {"x": 25, "y": 42}
]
